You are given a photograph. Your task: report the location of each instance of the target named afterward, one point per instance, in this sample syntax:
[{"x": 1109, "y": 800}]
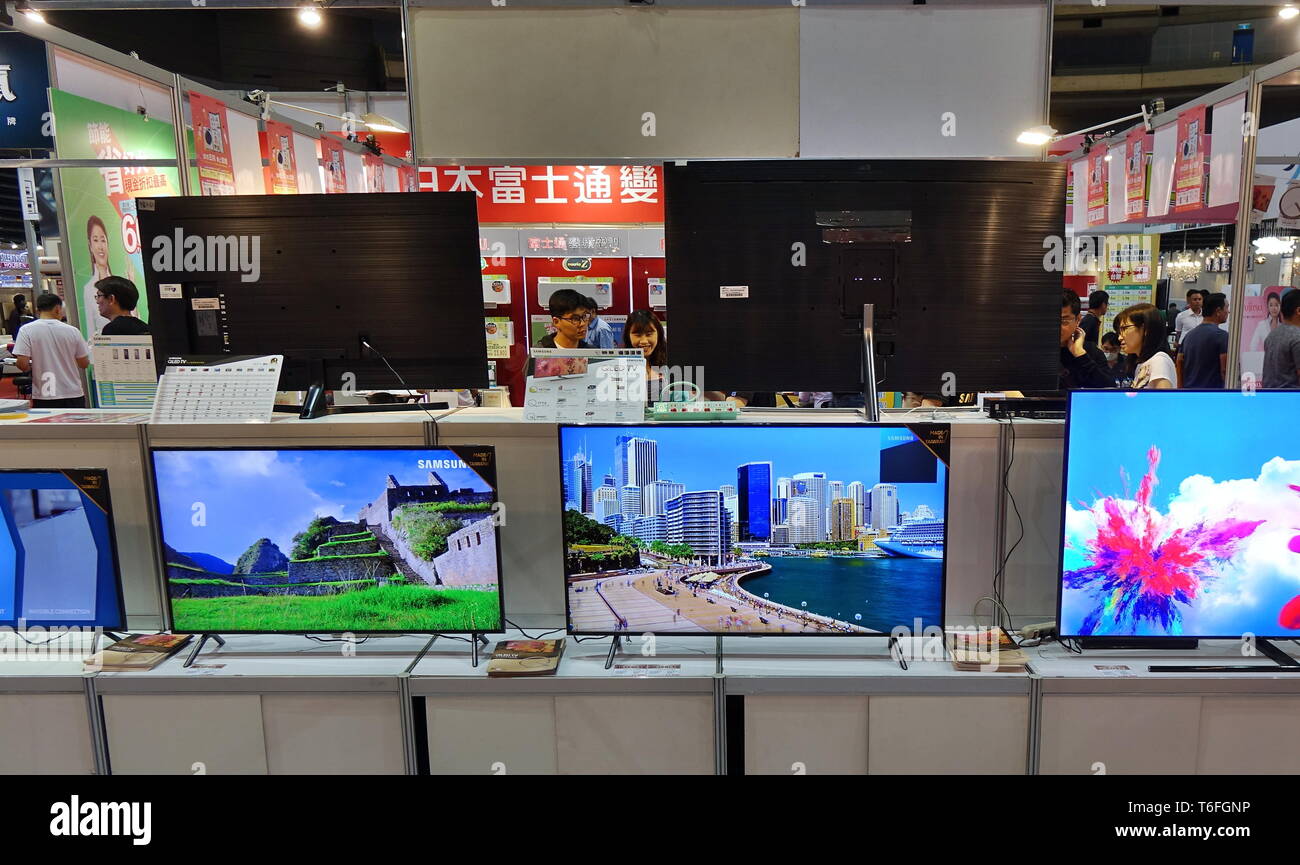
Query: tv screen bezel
[
  {"x": 159, "y": 540},
  {"x": 1135, "y": 640},
  {"x": 120, "y": 624},
  {"x": 716, "y": 425}
]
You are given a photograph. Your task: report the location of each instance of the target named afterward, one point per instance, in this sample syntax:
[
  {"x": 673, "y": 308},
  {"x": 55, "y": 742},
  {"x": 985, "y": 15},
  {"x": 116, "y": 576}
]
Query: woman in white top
[
  {"x": 1142, "y": 337},
  {"x": 97, "y": 240},
  {"x": 1265, "y": 327}
]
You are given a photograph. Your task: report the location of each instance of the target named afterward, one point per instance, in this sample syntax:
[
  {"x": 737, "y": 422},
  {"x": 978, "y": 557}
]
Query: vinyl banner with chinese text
[
  {"x": 104, "y": 237},
  {"x": 374, "y": 169},
  {"x": 1135, "y": 174},
  {"x": 333, "y": 171},
  {"x": 408, "y": 179},
  {"x": 1189, "y": 160},
  {"x": 282, "y": 163},
  {"x": 555, "y": 193},
  {"x": 1097, "y": 186},
  {"x": 212, "y": 145}
]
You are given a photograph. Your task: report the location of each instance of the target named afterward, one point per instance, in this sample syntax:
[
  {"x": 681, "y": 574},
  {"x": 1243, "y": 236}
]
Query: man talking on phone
[{"x": 1082, "y": 364}]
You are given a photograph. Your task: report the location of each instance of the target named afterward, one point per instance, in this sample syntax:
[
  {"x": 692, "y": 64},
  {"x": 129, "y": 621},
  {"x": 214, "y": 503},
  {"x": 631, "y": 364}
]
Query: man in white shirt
[
  {"x": 1190, "y": 318},
  {"x": 54, "y": 353}
]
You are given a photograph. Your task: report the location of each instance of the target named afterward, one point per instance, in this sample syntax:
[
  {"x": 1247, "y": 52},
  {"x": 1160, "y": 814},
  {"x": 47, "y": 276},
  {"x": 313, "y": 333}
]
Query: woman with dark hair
[
  {"x": 1142, "y": 336},
  {"x": 645, "y": 331},
  {"x": 1265, "y": 327},
  {"x": 97, "y": 240}
]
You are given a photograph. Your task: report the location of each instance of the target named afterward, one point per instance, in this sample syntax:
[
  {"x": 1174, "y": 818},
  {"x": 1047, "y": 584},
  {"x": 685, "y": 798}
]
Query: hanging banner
[
  {"x": 408, "y": 179},
  {"x": 1189, "y": 161},
  {"x": 24, "y": 78},
  {"x": 1135, "y": 174},
  {"x": 373, "y": 168},
  {"x": 282, "y": 164},
  {"x": 1097, "y": 186},
  {"x": 212, "y": 145},
  {"x": 104, "y": 236},
  {"x": 334, "y": 171},
  {"x": 555, "y": 193}
]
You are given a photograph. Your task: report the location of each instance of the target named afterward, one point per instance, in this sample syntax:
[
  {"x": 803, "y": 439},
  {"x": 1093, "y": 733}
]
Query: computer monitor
[
  {"x": 772, "y": 261},
  {"x": 751, "y": 529},
  {"x": 329, "y": 540},
  {"x": 317, "y": 278},
  {"x": 58, "y": 555},
  {"x": 1181, "y": 515}
]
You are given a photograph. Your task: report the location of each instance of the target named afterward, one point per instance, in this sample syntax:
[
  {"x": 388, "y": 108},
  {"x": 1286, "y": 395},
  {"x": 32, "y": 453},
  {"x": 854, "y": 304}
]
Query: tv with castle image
[{"x": 329, "y": 540}]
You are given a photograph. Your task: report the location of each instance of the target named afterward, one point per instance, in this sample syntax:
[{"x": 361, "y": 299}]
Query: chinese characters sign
[
  {"x": 212, "y": 145},
  {"x": 555, "y": 193},
  {"x": 1097, "y": 186},
  {"x": 1189, "y": 168},
  {"x": 373, "y": 168},
  {"x": 1135, "y": 174},
  {"x": 331, "y": 161},
  {"x": 282, "y": 170}
]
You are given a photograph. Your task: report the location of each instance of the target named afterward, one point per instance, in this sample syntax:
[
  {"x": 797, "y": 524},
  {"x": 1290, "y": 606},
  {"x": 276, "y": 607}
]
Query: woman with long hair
[
  {"x": 645, "y": 331},
  {"x": 1142, "y": 336},
  {"x": 97, "y": 240},
  {"x": 1265, "y": 327}
]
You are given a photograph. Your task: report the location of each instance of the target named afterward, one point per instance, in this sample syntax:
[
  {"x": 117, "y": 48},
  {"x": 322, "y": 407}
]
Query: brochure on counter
[{"x": 585, "y": 385}]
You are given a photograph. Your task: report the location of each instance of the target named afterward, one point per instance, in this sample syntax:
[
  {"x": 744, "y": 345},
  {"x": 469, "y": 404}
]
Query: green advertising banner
[{"x": 103, "y": 235}]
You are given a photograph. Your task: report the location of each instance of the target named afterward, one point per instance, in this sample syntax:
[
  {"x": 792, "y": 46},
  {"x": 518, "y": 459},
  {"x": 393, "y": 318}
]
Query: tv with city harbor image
[
  {"x": 1181, "y": 515},
  {"x": 330, "y": 540},
  {"x": 776, "y": 529}
]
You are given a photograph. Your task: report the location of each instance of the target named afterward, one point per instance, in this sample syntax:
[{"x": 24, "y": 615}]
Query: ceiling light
[
  {"x": 1288, "y": 12},
  {"x": 309, "y": 16},
  {"x": 380, "y": 123},
  {"x": 34, "y": 15},
  {"x": 1036, "y": 136}
]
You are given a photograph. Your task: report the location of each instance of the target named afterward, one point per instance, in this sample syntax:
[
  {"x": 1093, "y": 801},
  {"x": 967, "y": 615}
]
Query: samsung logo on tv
[{"x": 443, "y": 464}]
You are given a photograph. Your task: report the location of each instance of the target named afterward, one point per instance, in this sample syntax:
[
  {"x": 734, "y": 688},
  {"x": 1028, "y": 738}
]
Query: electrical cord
[
  {"x": 399, "y": 378},
  {"x": 1006, "y": 491},
  {"x": 39, "y": 642},
  {"x": 317, "y": 639},
  {"x": 526, "y": 635}
]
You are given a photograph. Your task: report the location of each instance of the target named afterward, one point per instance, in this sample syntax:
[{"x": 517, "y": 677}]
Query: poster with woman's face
[{"x": 99, "y": 203}]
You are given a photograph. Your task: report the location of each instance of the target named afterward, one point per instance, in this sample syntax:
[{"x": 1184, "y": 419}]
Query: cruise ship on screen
[{"x": 919, "y": 539}]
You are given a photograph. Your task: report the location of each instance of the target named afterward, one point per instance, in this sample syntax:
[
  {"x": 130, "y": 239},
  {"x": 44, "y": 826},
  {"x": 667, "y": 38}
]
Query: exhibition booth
[{"x": 1053, "y": 584}]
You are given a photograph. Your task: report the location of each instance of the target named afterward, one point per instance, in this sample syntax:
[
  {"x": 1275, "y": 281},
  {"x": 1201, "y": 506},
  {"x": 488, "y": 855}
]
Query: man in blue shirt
[
  {"x": 1203, "y": 355},
  {"x": 599, "y": 333}
]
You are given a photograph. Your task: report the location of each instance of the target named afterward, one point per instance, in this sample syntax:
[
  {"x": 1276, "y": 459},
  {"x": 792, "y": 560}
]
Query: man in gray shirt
[{"x": 1282, "y": 347}]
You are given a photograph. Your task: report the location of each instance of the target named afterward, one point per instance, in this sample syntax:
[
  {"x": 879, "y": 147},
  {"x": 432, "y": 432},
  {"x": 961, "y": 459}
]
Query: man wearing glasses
[
  {"x": 1082, "y": 364},
  {"x": 570, "y": 316},
  {"x": 117, "y": 299}
]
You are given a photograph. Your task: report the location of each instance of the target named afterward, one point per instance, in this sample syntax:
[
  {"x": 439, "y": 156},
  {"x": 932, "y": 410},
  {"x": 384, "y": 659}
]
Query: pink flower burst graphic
[{"x": 1143, "y": 564}]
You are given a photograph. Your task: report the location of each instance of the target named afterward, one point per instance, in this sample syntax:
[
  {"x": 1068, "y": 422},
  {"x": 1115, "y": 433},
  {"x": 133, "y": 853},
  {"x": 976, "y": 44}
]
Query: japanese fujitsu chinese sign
[
  {"x": 212, "y": 145},
  {"x": 555, "y": 193},
  {"x": 331, "y": 161},
  {"x": 282, "y": 162},
  {"x": 104, "y": 236},
  {"x": 1189, "y": 161}
]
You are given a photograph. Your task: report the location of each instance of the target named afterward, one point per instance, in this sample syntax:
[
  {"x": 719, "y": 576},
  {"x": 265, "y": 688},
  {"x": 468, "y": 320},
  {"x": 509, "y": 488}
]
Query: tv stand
[
  {"x": 314, "y": 406},
  {"x": 1285, "y": 663}
]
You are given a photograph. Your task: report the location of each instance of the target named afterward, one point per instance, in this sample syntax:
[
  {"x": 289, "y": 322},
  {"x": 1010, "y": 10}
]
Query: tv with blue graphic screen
[
  {"x": 1181, "y": 515},
  {"x": 58, "y": 555},
  {"x": 330, "y": 540},
  {"x": 827, "y": 529}
]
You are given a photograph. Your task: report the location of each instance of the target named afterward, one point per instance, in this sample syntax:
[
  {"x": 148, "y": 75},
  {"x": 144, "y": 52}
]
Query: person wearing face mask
[
  {"x": 1082, "y": 364},
  {"x": 1115, "y": 361}
]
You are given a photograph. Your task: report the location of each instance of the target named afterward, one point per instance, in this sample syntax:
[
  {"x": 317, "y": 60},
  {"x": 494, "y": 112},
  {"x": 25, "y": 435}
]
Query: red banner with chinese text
[
  {"x": 555, "y": 193},
  {"x": 1135, "y": 174},
  {"x": 373, "y": 167},
  {"x": 1189, "y": 162},
  {"x": 282, "y": 168},
  {"x": 1097, "y": 170},
  {"x": 331, "y": 159},
  {"x": 212, "y": 145}
]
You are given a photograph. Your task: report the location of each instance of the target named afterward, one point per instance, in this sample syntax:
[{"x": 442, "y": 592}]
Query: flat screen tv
[
  {"x": 58, "y": 555},
  {"x": 771, "y": 262},
  {"x": 329, "y": 540},
  {"x": 318, "y": 278},
  {"x": 1181, "y": 515},
  {"x": 748, "y": 529}
]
